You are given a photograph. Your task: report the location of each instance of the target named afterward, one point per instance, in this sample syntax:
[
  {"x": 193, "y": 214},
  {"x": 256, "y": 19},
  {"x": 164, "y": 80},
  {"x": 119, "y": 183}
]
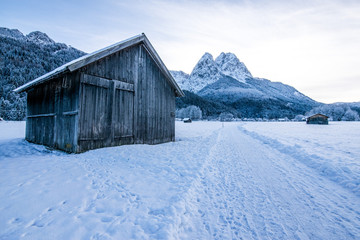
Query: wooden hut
[
  {"x": 122, "y": 94},
  {"x": 317, "y": 119}
]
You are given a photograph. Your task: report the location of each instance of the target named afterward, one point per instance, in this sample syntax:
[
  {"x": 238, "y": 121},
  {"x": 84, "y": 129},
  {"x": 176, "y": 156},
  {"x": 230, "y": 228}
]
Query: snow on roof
[
  {"x": 92, "y": 57},
  {"x": 318, "y": 115}
]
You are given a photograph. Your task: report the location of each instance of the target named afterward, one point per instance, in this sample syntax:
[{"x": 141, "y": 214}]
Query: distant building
[
  {"x": 122, "y": 94},
  {"x": 317, "y": 119},
  {"x": 187, "y": 120}
]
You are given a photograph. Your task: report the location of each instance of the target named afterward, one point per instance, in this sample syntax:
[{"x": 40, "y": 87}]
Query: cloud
[{"x": 301, "y": 43}]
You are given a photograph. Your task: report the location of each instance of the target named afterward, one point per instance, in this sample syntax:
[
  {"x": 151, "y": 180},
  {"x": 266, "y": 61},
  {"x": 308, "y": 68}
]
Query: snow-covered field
[{"x": 231, "y": 181}]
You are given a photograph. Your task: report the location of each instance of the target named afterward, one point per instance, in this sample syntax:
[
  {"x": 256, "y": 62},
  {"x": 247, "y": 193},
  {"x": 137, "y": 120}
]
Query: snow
[
  {"x": 217, "y": 181},
  {"x": 332, "y": 150}
]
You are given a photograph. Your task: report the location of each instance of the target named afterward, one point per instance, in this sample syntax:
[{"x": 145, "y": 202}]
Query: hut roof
[
  {"x": 92, "y": 57},
  {"x": 318, "y": 115}
]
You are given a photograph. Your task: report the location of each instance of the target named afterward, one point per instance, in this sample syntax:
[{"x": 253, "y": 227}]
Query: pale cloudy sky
[{"x": 313, "y": 46}]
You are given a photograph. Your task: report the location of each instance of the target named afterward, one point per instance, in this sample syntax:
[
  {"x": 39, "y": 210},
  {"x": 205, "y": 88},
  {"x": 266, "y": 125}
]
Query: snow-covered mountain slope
[
  {"x": 232, "y": 89},
  {"x": 279, "y": 90},
  {"x": 181, "y": 77},
  {"x": 257, "y": 98}
]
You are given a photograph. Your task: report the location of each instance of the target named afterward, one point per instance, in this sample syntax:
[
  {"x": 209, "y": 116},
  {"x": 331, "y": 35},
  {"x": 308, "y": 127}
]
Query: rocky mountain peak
[
  {"x": 205, "y": 72},
  {"x": 230, "y": 65},
  {"x": 39, "y": 38},
  {"x": 207, "y": 57},
  {"x": 36, "y": 37},
  {"x": 206, "y": 62},
  {"x": 11, "y": 33}
]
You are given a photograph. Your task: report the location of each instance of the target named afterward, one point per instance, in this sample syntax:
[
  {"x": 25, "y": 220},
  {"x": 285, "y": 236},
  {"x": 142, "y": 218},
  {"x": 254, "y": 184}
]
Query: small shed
[
  {"x": 122, "y": 94},
  {"x": 187, "y": 120},
  {"x": 317, "y": 119}
]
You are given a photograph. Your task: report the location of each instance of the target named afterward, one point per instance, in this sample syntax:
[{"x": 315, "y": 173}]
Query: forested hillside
[{"x": 22, "y": 59}]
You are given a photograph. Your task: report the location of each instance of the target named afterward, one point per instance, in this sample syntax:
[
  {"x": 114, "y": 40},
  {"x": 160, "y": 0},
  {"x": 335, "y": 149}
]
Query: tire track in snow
[
  {"x": 247, "y": 190},
  {"x": 321, "y": 164}
]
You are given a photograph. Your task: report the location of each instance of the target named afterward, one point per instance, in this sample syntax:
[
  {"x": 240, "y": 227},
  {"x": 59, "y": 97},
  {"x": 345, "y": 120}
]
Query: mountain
[
  {"x": 24, "y": 58},
  {"x": 227, "y": 80},
  {"x": 205, "y": 72},
  {"x": 40, "y": 38},
  {"x": 208, "y": 71},
  {"x": 230, "y": 65},
  {"x": 11, "y": 33}
]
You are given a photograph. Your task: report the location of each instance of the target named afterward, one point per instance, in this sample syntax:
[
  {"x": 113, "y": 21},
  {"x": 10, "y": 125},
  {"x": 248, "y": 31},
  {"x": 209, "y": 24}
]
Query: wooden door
[
  {"x": 107, "y": 111},
  {"x": 95, "y": 108},
  {"x": 123, "y": 112}
]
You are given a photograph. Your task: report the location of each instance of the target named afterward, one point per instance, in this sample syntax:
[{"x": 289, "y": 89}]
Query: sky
[{"x": 312, "y": 45}]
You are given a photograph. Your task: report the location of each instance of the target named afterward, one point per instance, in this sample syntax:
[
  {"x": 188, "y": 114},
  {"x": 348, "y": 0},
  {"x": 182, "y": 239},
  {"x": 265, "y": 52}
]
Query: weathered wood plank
[
  {"x": 42, "y": 115},
  {"x": 124, "y": 86},
  {"x": 96, "y": 81},
  {"x": 70, "y": 113}
]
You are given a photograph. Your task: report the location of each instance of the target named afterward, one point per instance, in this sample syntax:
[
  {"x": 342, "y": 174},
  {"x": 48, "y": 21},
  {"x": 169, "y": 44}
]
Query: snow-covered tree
[
  {"x": 338, "y": 113},
  {"x": 225, "y": 117},
  {"x": 299, "y": 117},
  {"x": 350, "y": 115},
  {"x": 192, "y": 112}
]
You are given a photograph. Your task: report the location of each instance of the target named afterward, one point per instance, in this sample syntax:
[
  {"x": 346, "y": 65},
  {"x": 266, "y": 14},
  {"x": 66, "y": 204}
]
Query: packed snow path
[
  {"x": 213, "y": 183},
  {"x": 251, "y": 191}
]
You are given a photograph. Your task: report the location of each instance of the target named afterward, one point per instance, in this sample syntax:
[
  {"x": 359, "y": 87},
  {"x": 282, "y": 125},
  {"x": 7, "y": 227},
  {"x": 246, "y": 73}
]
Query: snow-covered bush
[
  {"x": 226, "y": 117},
  {"x": 299, "y": 118},
  {"x": 192, "y": 112}
]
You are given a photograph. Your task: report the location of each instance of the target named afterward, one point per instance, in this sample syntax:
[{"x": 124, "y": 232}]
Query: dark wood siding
[
  {"x": 67, "y": 114},
  {"x": 317, "y": 120},
  {"x": 123, "y": 98},
  {"x": 41, "y": 114},
  {"x": 121, "y": 66},
  {"x": 52, "y": 113},
  {"x": 156, "y": 103},
  {"x": 94, "y": 109},
  {"x": 123, "y": 113}
]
